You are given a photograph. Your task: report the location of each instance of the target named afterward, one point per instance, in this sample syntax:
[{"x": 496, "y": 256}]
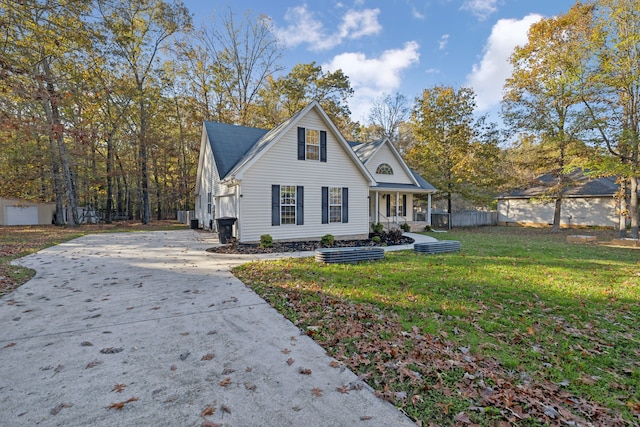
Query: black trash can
[
  {"x": 194, "y": 224},
  {"x": 225, "y": 228}
]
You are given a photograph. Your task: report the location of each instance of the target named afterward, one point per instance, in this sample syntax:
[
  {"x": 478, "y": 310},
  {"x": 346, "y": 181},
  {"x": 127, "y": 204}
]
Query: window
[
  {"x": 287, "y": 204},
  {"x": 312, "y": 144},
  {"x": 209, "y": 198},
  {"x": 384, "y": 169},
  {"x": 335, "y": 204}
]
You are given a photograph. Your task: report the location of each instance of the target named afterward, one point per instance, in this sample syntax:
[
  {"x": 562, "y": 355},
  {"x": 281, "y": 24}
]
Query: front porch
[{"x": 394, "y": 208}]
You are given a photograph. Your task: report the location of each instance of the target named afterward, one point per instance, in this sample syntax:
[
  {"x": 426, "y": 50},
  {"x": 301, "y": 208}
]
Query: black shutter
[
  {"x": 404, "y": 205},
  {"x": 388, "y": 205},
  {"x": 300, "y": 205},
  {"x": 345, "y": 204},
  {"x": 275, "y": 205},
  {"x": 323, "y": 146},
  {"x": 325, "y": 205},
  {"x": 301, "y": 148}
]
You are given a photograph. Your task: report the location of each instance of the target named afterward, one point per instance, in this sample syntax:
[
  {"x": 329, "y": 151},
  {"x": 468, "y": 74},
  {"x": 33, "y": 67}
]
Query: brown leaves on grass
[
  {"x": 373, "y": 344},
  {"x": 120, "y": 405}
]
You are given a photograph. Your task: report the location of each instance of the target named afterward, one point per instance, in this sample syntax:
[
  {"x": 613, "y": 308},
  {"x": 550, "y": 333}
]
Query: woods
[{"x": 102, "y": 104}]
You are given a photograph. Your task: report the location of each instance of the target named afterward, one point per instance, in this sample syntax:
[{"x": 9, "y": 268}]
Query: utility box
[{"x": 225, "y": 228}]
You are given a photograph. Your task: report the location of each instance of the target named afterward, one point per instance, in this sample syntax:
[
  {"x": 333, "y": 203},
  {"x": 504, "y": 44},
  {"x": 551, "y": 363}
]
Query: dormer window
[{"x": 384, "y": 169}]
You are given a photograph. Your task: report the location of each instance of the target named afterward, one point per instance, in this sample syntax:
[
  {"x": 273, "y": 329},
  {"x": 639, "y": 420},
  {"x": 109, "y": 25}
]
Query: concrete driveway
[{"x": 148, "y": 329}]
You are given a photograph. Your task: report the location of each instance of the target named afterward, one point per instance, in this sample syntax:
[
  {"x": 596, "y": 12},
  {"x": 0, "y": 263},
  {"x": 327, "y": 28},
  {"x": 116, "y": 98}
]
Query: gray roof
[
  {"x": 581, "y": 186},
  {"x": 230, "y": 143}
]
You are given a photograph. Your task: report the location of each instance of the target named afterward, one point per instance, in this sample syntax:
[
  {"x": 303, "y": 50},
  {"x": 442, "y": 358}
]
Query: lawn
[
  {"x": 19, "y": 241},
  {"x": 519, "y": 327}
]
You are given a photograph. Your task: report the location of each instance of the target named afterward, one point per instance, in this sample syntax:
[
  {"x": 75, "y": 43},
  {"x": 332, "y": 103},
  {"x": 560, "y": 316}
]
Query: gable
[{"x": 385, "y": 158}]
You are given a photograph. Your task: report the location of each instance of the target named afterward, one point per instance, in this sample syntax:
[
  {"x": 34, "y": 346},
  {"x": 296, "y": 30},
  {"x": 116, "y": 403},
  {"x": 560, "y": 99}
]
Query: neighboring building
[
  {"x": 22, "y": 212},
  {"x": 587, "y": 202},
  {"x": 301, "y": 181}
]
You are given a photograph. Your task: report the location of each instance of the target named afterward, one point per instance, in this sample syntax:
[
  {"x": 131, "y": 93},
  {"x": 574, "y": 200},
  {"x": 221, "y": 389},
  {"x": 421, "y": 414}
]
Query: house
[
  {"x": 587, "y": 202},
  {"x": 300, "y": 181},
  {"x": 23, "y": 212}
]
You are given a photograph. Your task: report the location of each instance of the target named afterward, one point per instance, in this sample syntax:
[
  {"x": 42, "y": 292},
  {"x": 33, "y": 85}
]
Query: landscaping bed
[{"x": 283, "y": 247}]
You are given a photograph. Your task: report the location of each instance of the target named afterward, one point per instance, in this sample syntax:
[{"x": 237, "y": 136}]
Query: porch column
[
  {"x": 397, "y": 203},
  {"x": 377, "y": 215},
  {"x": 429, "y": 209}
]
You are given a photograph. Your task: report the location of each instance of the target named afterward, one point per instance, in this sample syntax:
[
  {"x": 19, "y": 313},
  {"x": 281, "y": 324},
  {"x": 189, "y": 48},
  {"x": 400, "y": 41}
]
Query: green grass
[{"x": 519, "y": 321}]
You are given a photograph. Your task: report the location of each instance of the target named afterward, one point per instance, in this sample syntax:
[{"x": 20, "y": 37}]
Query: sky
[{"x": 399, "y": 46}]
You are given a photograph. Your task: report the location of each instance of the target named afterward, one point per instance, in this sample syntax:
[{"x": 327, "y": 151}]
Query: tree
[
  {"x": 40, "y": 66},
  {"x": 387, "y": 113},
  {"x": 137, "y": 30},
  {"x": 542, "y": 99},
  {"x": 283, "y": 97},
  {"x": 245, "y": 55},
  {"x": 452, "y": 150},
  {"x": 611, "y": 94}
]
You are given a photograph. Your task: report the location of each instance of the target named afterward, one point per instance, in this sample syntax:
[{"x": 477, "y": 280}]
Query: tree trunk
[
  {"x": 557, "y": 215},
  {"x": 624, "y": 209},
  {"x": 144, "y": 159},
  {"x": 107, "y": 216},
  {"x": 633, "y": 207},
  {"x": 57, "y": 181}
]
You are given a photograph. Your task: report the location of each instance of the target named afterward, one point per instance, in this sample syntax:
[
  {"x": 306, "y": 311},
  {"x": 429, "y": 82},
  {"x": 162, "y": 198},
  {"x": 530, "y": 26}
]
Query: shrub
[
  {"x": 428, "y": 228},
  {"x": 377, "y": 228},
  {"x": 266, "y": 241},
  {"x": 376, "y": 239},
  {"x": 394, "y": 236},
  {"x": 405, "y": 227},
  {"x": 327, "y": 240}
]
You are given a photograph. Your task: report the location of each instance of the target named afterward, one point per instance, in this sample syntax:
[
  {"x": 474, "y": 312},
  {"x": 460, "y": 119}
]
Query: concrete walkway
[{"x": 148, "y": 329}]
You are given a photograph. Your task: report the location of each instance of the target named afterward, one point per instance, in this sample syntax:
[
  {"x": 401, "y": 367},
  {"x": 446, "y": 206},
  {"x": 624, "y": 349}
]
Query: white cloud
[
  {"x": 480, "y": 8},
  {"x": 303, "y": 27},
  {"x": 371, "y": 77},
  {"x": 444, "y": 40},
  {"x": 487, "y": 78}
]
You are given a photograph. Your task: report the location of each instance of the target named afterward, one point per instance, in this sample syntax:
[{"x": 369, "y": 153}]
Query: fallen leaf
[
  {"x": 305, "y": 371},
  {"x": 228, "y": 371},
  {"x": 111, "y": 350},
  {"x": 248, "y": 369},
  {"x": 290, "y": 361},
  {"x": 93, "y": 364},
  {"x": 173, "y": 367},
  {"x": 184, "y": 334},
  {"x": 207, "y": 423},
  {"x": 334, "y": 364},
  {"x": 11, "y": 344},
  {"x": 86, "y": 344},
  {"x": 207, "y": 356},
  {"x": 225, "y": 409},
  {"x": 118, "y": 388},
  {"x": 344, "y": 389},
  {"x": 316, "y": 391},
  {"x": 225, "y": 382},
  {"x": 461, "y": 417},
  {"x": 120, "y": 405},
  {"x": 60, "y": 407},
  {"x": 209, "y": 410},
  {"x": 365, "y": 418},
  {"x": 286, "y": 351},
  {"x": 250, "y": 387}
]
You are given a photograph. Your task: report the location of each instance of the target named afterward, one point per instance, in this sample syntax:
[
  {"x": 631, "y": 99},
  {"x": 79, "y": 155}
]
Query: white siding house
[
  {"x": 588, "y": 202},
  {"x": 299, "y": 181}
]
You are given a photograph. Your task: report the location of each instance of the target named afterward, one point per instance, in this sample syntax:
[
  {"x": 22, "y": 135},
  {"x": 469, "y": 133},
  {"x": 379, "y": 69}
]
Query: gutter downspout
[{"x": 429, "y": 209}]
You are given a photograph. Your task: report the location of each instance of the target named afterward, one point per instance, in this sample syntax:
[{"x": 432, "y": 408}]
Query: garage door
[{"x": 22, "y": 215}]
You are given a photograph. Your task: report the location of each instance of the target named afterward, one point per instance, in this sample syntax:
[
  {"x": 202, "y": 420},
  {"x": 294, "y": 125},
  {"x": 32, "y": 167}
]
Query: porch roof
[{"x": 403, "y": 188}]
